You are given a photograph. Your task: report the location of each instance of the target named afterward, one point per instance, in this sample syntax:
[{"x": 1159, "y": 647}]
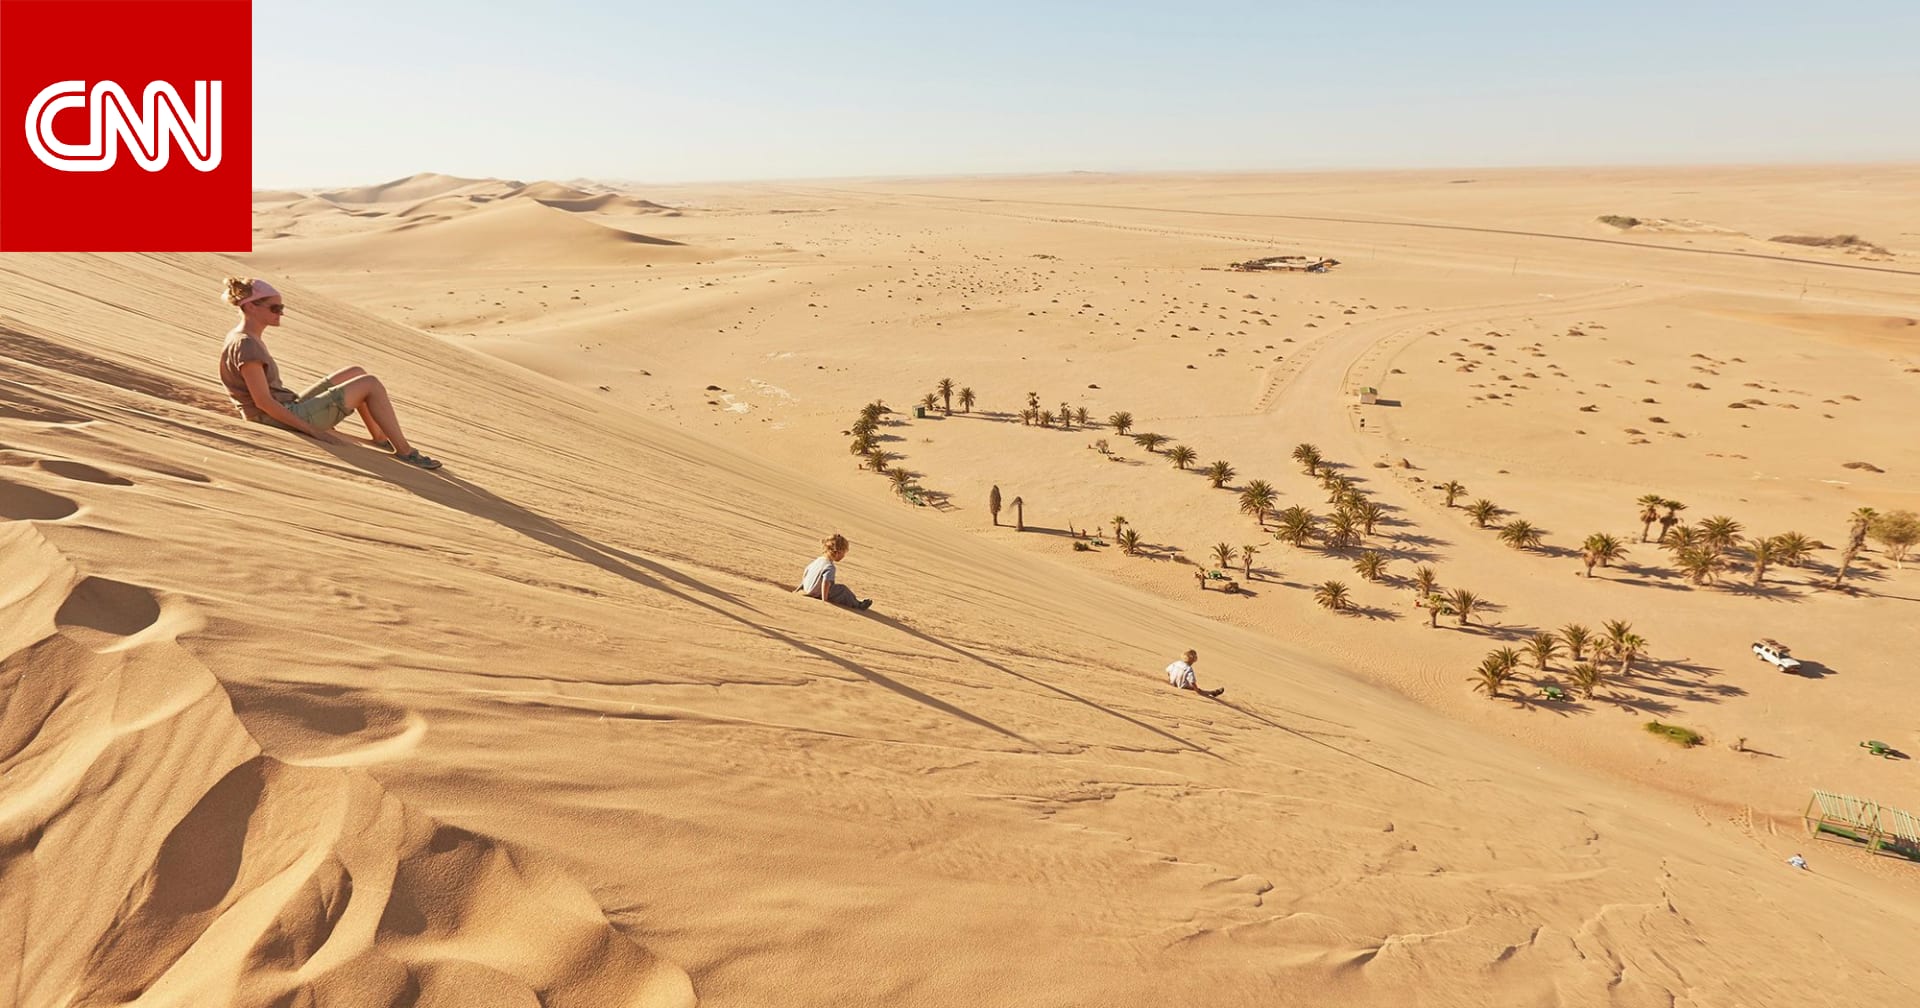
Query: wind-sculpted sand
[{"x": 287, "y": 723}]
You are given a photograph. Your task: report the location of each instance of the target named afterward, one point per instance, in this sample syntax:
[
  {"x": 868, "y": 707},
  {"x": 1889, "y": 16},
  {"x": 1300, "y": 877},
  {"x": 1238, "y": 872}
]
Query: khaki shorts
[{"x": 321, "y": 407}]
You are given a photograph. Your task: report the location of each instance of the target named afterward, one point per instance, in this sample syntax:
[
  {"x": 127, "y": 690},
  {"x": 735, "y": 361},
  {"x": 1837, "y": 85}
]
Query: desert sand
[{"x": 289, "y": 723}]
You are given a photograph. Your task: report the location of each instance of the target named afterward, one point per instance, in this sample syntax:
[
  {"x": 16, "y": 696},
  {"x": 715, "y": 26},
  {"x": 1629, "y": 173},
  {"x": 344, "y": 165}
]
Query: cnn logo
[
  {"x": 111, "y": 117},
  {"x": 139, "y": 141}
]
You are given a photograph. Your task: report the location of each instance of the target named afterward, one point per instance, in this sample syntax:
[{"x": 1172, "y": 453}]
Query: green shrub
[
  {"x": 1677, "y": 735},
  {"x": 1620, "y": 222},
  {"x": 1080, "y": 547}
]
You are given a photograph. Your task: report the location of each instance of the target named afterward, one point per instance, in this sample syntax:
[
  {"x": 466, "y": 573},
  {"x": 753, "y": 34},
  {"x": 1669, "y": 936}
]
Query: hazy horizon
[{"x": 740, "y": 91}]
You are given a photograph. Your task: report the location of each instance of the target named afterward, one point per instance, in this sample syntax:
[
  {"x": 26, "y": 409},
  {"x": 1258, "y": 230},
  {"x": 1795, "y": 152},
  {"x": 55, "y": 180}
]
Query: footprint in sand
[
  {"x": 19, "y": 502},
  {"x": 110, "y": 607},
  {"x": 314, "y": 725}
]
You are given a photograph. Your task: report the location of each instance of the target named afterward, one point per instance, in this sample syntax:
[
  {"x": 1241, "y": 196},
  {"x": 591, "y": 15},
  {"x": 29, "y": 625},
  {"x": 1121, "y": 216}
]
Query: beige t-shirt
[{"x": 241, "y": 348}]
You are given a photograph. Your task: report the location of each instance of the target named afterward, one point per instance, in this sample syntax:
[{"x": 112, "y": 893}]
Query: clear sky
[{"x": 357, "y": 91}]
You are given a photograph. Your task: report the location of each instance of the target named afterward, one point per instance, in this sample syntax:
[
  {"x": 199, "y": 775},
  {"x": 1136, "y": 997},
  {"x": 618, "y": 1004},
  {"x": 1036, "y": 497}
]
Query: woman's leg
[
  {"x": 369, "y": 397},
  {"x": 341, "y": 377}
]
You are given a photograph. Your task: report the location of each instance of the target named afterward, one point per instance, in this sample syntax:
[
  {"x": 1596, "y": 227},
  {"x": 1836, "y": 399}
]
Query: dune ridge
[{"x": 150, "y": 853}]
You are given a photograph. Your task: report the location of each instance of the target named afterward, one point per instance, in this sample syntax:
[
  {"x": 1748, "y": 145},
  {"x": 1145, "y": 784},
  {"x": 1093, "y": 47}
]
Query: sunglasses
[{"x": 277, "y": 309}]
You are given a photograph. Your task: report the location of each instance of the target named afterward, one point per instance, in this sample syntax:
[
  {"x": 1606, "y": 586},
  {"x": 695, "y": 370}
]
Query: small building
[{"x": 1369, "y": 395}]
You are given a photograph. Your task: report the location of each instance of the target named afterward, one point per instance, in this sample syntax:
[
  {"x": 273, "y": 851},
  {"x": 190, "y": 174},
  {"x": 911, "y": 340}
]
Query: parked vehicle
[{"x": 1769, "y": 650}]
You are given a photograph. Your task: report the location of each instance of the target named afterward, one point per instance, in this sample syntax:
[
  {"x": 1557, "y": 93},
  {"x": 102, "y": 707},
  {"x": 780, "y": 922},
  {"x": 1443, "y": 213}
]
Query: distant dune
[
  {"x": 507, "y": 233},
  {"x": 414, "y": 187}
]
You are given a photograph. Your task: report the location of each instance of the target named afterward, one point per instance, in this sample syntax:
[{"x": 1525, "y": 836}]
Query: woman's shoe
[{"x": 414, "y": 458}]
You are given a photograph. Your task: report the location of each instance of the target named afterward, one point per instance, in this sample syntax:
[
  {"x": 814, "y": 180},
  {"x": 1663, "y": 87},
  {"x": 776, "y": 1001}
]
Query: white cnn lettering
[{"x": 149, "y": 131}]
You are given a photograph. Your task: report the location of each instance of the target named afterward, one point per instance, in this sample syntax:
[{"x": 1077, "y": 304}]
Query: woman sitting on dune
[{"x": 253, "y": 380}]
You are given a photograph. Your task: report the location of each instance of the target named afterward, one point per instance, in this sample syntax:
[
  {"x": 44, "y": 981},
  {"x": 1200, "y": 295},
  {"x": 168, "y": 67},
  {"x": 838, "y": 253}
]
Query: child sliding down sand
[
  {"x": 819, "y": 580},
  {"x": 1180, "y": 676}
]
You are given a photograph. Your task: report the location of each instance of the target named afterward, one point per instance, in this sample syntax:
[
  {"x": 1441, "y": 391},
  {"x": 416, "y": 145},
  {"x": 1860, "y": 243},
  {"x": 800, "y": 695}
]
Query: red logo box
[{"x": 126, "y": 125}]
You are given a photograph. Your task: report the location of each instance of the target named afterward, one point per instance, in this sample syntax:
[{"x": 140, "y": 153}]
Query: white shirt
[
  {"x": 1180, "y": 674},
  {"x": 821, "y": 568}
]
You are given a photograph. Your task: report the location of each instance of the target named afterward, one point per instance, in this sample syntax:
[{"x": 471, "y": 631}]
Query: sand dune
[
  {"x": 153, "y": 854},
  {"x": 498, "y": 235},
  {"x": 413, "y": 188},
  {"x": 572, "y": 659}
]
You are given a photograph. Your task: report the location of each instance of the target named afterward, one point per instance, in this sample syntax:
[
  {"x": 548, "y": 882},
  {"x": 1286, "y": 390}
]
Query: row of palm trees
[
  {"x": 943, "y": 396},
  {"x": 1617, "y": 642},
  {"x": 866, "y": 444}
]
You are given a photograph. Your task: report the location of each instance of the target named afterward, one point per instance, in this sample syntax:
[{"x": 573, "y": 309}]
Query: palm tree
[
  {"x": 1129, "y": 541},
  {"x": 1495, "y": 671},
  {"x": 862, "y": 444},
  {"x": 1701, "y": 564},
  {"x": 1151, "y": 442},
  {"x": 1437, "y": 606},
  {"x": 1296, "y": 525},
  {"x": 1046, "y": 418},
  {"x": 1019, "y": 515},
  {"x": 1181, "y": 456},
  {"x": 1066, "y": 417},
  {"x": 1121, "y": 423},
  {"x": 1257, "y": 499},
  {"x": 1463, "y": 603},
  {"x": 1246, "y": 561},
  {"x": 1223, "y": 555},
  {"x": 1720, "y": 533},
  {"x": 1027, "y": 416},
  {"x": 1219, "y": 473},
  {"x": 1369, "y": 514},
  {"x": 1033, "y": 401},
  {"x": 1764, "y": 552},
  {"x": 901, "y": 480},
  {"x": 1370, "y": 564},
  {"x": 1483, "y": 511},
  {"x": 1681, "y": 538},
  {"x": 1794, "y": 548},
  {"x": 966, "y": 400},
  {"x": 930, "y": 400},
  {"x": 1672, "y": 515},
  {"x": 993, "y": 504},
  {"x": 945, "y": 388},
  {"x": 1618, "y": 640},
  {"x": 1649, "y": 512},
  {"x": 1453, "y": 490},
  {"x": 1332, "y": 595},
  {"x": 1860, "y": 524},
  {"x": 1520, "y": 534},
  {"x": 1118, "y": 521},
  {"x": 1308, "y": 456},
  {"x": 1342, "y": 530},
  {"x": 1577, "y": 637},
  {"x": 1600, "y": 548},
  {"x": 1543, "y": 647},
  {"x": 1082, "y": 417},
  {"x": 879, "y": 458},
  {"x": 1587, "y": 678},
  {"x": 1896, "y": 532},
  {"x": 1425, "y": 580}
]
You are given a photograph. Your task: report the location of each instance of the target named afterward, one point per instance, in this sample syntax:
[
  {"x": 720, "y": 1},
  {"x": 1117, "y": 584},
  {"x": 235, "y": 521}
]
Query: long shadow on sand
[
  {"x": 925, "y": 637},
  {"x": 1269, "y": 722},
  {"x": 451, "y": 491}
]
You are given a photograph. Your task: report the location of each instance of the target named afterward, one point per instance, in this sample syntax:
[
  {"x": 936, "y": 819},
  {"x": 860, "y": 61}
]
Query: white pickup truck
[{"x": 1768, "y": 650}]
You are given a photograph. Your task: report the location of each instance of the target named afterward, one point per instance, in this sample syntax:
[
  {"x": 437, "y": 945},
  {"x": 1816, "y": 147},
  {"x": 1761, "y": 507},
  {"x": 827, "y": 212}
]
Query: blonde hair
[
  {"x": 835, "y": 543},
  {"x": 238, "y": 290}
]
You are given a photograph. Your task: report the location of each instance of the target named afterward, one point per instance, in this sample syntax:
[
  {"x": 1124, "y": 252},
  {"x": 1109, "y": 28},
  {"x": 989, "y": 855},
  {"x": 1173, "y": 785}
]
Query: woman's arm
[
  {"x": 826, "y": 586},
  {"x": 256, "y": 375}
]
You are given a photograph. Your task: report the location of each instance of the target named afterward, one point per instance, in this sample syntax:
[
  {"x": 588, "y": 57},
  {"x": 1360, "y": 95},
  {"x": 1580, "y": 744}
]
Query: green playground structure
[{"x": 1879, "y": 827}]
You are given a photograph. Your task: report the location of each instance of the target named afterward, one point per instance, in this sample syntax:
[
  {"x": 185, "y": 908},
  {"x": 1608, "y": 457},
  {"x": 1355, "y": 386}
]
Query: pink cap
[{"x": 261, "y": 290}]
